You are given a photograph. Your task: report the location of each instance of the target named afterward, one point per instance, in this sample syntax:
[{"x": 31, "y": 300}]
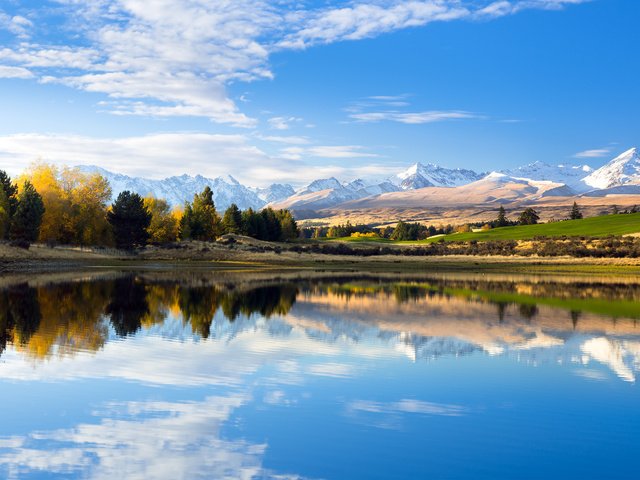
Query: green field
[
  {"x": 603, "y": 226},
  {"x": 623, "y": 224}
]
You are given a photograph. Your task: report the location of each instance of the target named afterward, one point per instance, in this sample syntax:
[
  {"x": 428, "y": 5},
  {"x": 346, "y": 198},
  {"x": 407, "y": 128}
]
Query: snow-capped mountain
[
  {"x": 431, "y": 175},
  {"x": 275, "y": 192},
  {"x": 418, "y": 186},
  {"x": 178, "y": 190},
  {"x": 329, "y": 192},
  {"x": 570, "y": 175},
  {"x": 622, "y": 170}
]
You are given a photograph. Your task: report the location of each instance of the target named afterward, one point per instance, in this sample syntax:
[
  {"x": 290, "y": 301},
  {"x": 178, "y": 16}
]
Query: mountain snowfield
[{"x": 418, "y": 185}]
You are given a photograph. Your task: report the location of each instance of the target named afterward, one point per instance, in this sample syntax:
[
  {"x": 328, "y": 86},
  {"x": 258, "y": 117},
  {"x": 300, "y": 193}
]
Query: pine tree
[
  {"x": 502, "y": 221},
  {"x": 576, "y": 214},
  {"x": 10, "y": 190},
  {"x": 288, "y": 226},
  {"x": 529, "y": 217},
  {"x": 184, "y": 229},
  {"x": 26, "y": 221},
  {"x": 273, "y": 231},
  {"x": 5, "y": 214},
  {"x": 232, "y": 220},
  {"x": 11, "y": 193},
  {"x": 205, "y": 223},
  {"x": 253, "y": 224},
  {"x": 129, "y": 219}
]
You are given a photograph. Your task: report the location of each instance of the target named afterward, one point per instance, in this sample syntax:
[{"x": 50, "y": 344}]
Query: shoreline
[{"x": 215, "y": 257}]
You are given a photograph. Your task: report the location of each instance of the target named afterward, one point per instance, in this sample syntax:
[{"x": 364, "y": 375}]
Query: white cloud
[
  {"x": 15, "y": 72},
  {"x": 18, "y": 25},
  {"x": 595, "y": 153},
  {"x": 282, "y": 123},
  {"x": 166, "y": 154},
  {"x": 288, "y": 140},
  {"x": 367, "y": 19},
  {"x": 326, "y": 151},
  {"x": 163, "y": 154},
  {"x": 176, "y": 57},
  {"x": 414, "y": 117}
]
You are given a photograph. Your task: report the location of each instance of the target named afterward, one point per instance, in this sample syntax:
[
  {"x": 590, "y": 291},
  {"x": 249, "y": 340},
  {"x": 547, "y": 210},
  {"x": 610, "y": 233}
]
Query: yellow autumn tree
[
  {"x": 89, "y": 194},
  {"x": 75, "y": 205},
  {"x": 55, "y": 226},
  {"x": 164, "y": 222}
]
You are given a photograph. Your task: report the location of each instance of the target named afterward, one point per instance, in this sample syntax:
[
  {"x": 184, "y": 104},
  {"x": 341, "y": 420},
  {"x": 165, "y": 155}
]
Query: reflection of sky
[{"x": 302, "y": 397}]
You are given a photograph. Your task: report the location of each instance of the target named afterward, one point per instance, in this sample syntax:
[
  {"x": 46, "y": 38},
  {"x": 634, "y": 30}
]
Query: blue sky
[{"x": 291, "y": 91}]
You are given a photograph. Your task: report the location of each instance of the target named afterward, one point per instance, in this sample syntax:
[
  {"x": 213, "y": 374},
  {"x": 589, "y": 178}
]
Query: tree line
[{"x": 70, "y": 207}]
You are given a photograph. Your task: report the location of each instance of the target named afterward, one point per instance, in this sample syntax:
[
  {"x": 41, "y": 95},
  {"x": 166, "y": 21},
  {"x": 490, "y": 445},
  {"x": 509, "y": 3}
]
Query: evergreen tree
[
  {"x": 232, "y": 220},
  {"x": 615, "y": 210},
  {"x": 273, "y": 231},
  {"x": 253, "y": 224},
  {"x": 576, "y": 214},
  {"x": 529, "y": 217},
  {"x": 10, "y": 190},
  {"x": 288, "y": 225},
  {"x": 129, "y": 219},
  {"x": 204, "y": 222},
  {"x": 184, "y": 229},
  {"x": 26, "y": 221},
  {"x": 502, "y": 221},
  {"x": 5, "y": 214}
]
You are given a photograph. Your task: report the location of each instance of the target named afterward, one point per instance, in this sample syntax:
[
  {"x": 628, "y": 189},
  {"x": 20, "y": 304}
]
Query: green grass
[
  {"x": 602, "y": 226},
  {"x": 587, "y": 227}
]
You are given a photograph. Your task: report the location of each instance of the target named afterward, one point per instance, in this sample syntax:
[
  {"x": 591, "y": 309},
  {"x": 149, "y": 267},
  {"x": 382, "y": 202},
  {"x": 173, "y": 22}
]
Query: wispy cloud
[
  {"x": 176, "y": 57},
  {"x": 282, "y": 123},
  {"x": 15, "y": 72},
  {"x": 326, "y": 151},
  {"x": 17, "y": 24},
  {"x": 595, "y": 153},
  {"x": 414, "y": 117}
]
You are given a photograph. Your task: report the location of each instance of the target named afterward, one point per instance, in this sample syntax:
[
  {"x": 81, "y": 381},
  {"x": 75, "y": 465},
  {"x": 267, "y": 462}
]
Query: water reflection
[
  {"x": 155, "y": 375},
  {"x": 426, "y": 316}
]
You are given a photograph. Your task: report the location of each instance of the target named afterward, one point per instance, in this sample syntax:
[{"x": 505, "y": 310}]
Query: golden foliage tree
[
  {"x": 164, "y": 222},
  {"x": 75, "y": 205}
]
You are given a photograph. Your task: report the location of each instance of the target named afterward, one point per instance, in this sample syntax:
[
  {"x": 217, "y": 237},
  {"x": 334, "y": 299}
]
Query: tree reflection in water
[{"x": 75, "y": 315}]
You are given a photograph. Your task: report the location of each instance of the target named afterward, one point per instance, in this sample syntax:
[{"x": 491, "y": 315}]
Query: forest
[{"x": 68, "y": 207}]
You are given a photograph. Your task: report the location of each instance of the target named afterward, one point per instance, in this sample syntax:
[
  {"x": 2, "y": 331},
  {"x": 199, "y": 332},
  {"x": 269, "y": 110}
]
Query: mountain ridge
[{"x": 427, "y": 183}]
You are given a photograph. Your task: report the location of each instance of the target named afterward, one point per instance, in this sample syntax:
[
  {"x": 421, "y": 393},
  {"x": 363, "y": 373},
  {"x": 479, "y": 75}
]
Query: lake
[{"x": 163, "y": 374}]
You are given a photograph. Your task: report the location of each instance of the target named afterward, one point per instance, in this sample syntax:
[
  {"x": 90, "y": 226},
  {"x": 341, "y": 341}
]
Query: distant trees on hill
[
  {"x": 575, "y": 214},
  {"x": 529, "y": 217}
]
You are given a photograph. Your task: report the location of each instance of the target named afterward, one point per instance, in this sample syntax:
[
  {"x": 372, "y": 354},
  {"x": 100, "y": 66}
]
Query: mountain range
[{"x": 420, "y": 185}]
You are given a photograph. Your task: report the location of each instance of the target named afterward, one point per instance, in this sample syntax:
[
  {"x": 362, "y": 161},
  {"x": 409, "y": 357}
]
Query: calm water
[{"x": 214, "y": 375}]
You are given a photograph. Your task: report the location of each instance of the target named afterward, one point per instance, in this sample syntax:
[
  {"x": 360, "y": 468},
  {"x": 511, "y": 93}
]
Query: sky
[{"x": 291, "y": 91}]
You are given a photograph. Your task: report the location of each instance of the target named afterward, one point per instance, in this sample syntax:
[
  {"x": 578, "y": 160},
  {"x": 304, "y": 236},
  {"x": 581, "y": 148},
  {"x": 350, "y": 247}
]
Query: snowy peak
[
  {"x": 180, "y": 189},
  {"x": 569, "y": 175},
  {"x": 321, "y": 184},
  {"x": 275, "y": 192},
  {"x": 420, "y": 175},
  {"x": 622, "y": 170}
]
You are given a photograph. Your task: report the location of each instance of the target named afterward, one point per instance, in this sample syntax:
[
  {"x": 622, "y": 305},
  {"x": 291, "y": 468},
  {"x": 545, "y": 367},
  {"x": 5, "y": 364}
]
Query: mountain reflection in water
[{"x": 197, "y": 359}]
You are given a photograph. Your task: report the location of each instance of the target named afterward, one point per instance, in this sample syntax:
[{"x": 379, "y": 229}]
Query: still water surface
[{"x": 214, "y": 375}]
